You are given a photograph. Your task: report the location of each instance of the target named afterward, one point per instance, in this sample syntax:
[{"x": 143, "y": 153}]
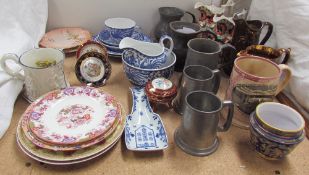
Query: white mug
[{"x": 38, "y": 80}]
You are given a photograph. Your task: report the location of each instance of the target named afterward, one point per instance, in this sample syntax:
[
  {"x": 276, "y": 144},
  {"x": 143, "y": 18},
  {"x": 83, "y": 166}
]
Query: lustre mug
[
  {"x": 279, "y": 56},
  {"x": 197, "y": 134},
  {"x": 196, "y": 77},
  {"x": 255, "y": 80},
  {"x": 43, "y": 71}
]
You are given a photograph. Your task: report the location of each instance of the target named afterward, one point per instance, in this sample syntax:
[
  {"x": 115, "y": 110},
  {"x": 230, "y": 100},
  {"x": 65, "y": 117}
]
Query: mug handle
[
  {"x": 269, "y": 32},
  {"x": 287, "y": 53},
  {"x": 216, "y": 80},
  {"x": 229, "y": 118},
  {"x": 8, "y": 70},
  {"x": 192, "y": 15},
  {"x": 284, "y": 77},
  {"x": 166, "y": 37}
]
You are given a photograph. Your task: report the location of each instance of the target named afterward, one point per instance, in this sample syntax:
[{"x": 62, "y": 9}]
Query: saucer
[{"x": 105, "y": 37}]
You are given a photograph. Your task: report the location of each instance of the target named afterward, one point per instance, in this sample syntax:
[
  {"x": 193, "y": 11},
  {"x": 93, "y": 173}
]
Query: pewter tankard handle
[
  {"x": 229, "y": 117},
  {"x": 216, "y": 80}
]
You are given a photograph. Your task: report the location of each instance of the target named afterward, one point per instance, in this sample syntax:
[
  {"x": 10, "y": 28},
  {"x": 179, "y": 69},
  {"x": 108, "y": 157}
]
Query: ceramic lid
[
  {"x": 161, "y": 87},
  {"x": 93, "y": 69}
]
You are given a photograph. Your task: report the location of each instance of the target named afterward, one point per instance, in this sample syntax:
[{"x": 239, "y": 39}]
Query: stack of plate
[
  {"x": 70, "y": 126},
  {"x": 105, "y": 38},
  {"x": 67, "y": 39}
]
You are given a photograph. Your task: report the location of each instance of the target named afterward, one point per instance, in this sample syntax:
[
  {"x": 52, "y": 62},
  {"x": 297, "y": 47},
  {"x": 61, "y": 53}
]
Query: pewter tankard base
[
  {"x": 197, "y": 134},
  {"x": 194, "y": 151}
]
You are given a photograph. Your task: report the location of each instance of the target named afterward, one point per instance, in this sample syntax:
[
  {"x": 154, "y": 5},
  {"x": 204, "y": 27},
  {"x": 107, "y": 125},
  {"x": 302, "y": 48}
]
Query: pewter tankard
[
  {"x": 197, "y": 134},
  {"x": 196, "y": 77}
]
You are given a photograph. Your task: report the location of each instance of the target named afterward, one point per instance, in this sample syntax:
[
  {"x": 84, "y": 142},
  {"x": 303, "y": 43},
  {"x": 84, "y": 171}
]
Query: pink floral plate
[
  {"x": 28, "y": 134},
  {"x": 73, "y": 115},
  {"x": 65, "y": 38},
  {"x": 63, "y": 158}
]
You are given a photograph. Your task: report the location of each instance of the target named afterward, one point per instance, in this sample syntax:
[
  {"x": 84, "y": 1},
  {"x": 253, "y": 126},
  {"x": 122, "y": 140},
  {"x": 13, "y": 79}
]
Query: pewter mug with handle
[
  {"x": 38, "y": 79},
  {"x": 196, "y": 77},
  {"x": 197, "y": 134}
]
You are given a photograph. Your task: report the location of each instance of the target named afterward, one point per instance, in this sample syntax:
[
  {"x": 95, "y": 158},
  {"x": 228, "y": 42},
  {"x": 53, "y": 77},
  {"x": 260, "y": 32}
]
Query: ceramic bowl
[
  {"x": 269, "y": 145},
  {"x": 279, "y": 119},
  {"x": 161, "y": 90},
  {"x": 119, "y": 28},
  {"x": 140, "y": 76}
]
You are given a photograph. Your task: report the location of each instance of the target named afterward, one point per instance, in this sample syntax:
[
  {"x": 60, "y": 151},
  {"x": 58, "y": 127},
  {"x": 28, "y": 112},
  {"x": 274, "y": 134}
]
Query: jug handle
[
  {"x": 166, "y": 37},
  {"x": 287, "y": 53},
  {"x": 8, "y": 70},
  {"x": 228, "y": 55},
  {"x": 269, "y": 32},
  {"x": 192, "y": 15},
  {"x": 285, "y": 77},
  {"x": 229, "y": 117},
  {"x": 216, "y": 80}
]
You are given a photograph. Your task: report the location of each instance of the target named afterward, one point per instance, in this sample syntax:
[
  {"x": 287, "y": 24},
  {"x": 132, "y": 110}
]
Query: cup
[
  {"x": 279, "y": 56},
  {"x": 43, "y": 71},
  {"x": 208, "y": 53},
  {"x": 275, "y": 130},
  {"x": 255, "y": 80},
  {"x": 197, "y": 134},
  {"x": 120, "y": 28},
  {"x": 196, "y": 77}
]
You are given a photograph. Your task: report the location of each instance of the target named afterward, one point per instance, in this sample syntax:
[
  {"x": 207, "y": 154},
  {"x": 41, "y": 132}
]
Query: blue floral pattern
[{"x": 146, "y": 134}]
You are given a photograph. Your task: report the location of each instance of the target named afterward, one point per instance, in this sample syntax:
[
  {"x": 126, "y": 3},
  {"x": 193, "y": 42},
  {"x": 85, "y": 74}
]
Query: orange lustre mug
[{"x": 255, "y": 80}]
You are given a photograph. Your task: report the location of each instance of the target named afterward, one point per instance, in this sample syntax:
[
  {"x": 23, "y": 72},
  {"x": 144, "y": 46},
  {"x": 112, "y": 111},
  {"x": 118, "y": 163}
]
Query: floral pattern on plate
[
  {"x": 75, "y": 115},
  {"x": 45, "y": 125},
  {"x": 65, "y": 38},
  {"x": 63, "y": 158}
]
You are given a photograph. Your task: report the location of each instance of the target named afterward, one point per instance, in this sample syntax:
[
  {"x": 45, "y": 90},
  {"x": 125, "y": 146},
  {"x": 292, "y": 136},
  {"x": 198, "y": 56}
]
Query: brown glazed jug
[{"x": 247, "y": 33}]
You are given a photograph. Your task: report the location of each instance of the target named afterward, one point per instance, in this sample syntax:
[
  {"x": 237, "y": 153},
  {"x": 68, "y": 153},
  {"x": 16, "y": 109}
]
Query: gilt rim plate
[{"x": 72, "y": 115}]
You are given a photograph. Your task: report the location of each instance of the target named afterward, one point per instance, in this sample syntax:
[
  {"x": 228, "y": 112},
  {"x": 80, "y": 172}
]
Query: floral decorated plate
[
  {"x": 65, "y": 38},
  {"x": 63, "y": 158},
  {"x": 73, "y": 115},
  {"x": 93, "y": 69},
  {"x": 28, "y": 134}
]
